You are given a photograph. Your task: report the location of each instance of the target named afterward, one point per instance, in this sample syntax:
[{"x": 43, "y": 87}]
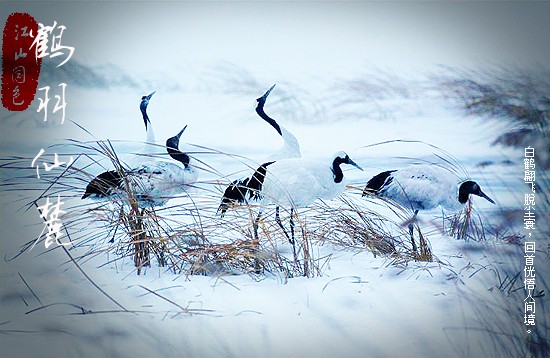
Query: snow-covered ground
[{"x": 208, "y": 64}]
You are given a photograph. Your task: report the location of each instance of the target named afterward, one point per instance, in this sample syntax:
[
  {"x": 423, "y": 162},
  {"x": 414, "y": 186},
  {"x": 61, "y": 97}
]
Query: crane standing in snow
[
  {"x": 294, "y": 182},
  {"x": 423, "y": 187},
  {"x": 238, "y": 190}
]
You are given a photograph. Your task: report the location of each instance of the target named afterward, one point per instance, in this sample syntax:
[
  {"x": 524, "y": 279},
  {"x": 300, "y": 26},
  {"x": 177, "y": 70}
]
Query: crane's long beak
[
  {"x": 483, "y": 195},
  {"x": 264, "y": 97},
  {"x": 355, "y": 165},
  {"x": 151, "y": 95},
  {"x": 181, "y": 132}
]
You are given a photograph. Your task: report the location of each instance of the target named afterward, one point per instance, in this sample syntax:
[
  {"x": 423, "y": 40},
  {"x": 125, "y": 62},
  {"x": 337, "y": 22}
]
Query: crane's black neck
[
  {"x": 179, "y": 156},
  {"x": 172, "y": 145},
  {"x": 336, "y": 170},
  {"x": 261, "y": 113},
  {"x": 143, "y": 108}
]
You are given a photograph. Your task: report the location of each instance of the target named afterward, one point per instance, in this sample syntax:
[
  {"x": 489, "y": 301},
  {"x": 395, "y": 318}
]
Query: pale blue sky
[{"x": 335, "y": 37}]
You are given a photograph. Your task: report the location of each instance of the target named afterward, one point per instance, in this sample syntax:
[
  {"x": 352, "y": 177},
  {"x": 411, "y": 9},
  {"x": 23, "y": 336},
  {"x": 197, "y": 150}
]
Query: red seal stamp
[{"x": 20, "y": 66}]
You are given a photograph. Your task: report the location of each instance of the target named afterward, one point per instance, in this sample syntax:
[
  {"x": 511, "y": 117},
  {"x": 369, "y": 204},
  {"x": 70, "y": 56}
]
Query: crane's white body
[
  {"x": 423, "y": 187},
  {"x": 299, "y": 182},
  {"x": 157, "y": 182}
]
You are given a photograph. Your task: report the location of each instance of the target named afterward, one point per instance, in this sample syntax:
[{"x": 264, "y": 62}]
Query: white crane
[
  {"x": 235, "y": 192},
  {"x": 294, "y": 182},
  {"x": 424, "y": 187}
]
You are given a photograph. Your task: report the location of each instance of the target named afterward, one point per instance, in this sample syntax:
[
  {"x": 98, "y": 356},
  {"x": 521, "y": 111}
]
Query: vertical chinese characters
[
  {"x": 39, "y": 40},
  {"x": 44, "y": 103},
  {"x": 47, "y": 167},
  {"x": 50, "y": 213},
  {"x": 529, "y": 207},
  {"x": 40, "y": 45},
  {"x": 529, "y": 283},
  {"x": 529, "y": 224}
]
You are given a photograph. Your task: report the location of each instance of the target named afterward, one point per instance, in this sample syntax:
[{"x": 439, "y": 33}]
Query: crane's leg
[
  {"x": 120, "y": 213},
  {"x": 257, "y": 240},
  {"x": 411, "y": 231},
  {"x": 292, "y": 241},
  {"x": 292, "y": 226},
  {"x": 278, "y": 220},
  {"x": 255, "y": 226}
]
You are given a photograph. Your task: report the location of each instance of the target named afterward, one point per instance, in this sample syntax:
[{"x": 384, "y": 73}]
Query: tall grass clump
[
  {"x": 466, "y": 224},
  {"x": 353, "y": 225},
  {"x": 293, "y": 260}
]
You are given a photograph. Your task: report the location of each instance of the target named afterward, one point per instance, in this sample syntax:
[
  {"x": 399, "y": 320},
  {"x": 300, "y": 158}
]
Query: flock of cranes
[{"x": 285, "y": 179}]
